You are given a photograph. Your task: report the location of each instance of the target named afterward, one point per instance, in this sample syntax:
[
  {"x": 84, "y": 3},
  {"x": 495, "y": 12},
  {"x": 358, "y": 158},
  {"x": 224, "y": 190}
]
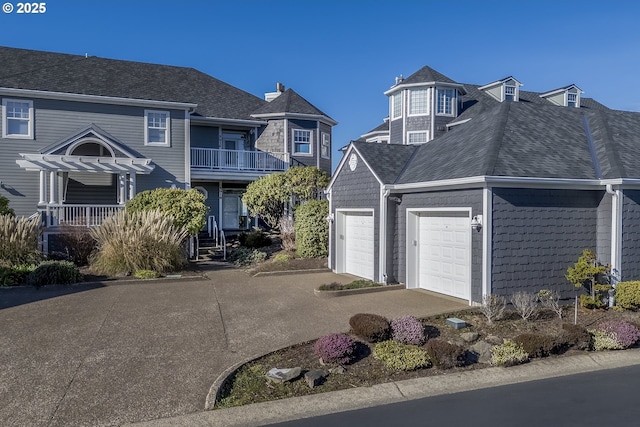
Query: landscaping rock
[
  {"x": 315, "y": 377},
  {"x": 469, "y": 336},
  {"x": 483, "y": 350},
  {"x": 495, "y": 340},
  {"x": 280, "y": 375},
  {"x": 338, "y": 370}
]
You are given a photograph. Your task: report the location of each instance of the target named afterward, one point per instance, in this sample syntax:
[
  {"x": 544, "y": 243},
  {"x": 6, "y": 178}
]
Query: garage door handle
[
  {"x": 342, "y": 237},
  {"x": 415, "y": 243}
]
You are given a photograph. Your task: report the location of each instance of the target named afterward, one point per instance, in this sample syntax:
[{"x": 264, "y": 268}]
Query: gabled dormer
[
  {"x": 507, "y": 89},
  {"x": 568, "y": 96}
]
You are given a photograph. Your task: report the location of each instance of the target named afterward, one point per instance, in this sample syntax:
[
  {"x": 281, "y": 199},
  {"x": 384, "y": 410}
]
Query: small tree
[
  {"x": 312, "y": 229},
  {"x": 585, "y": 272},
  {"x": 4, "y": 207},
  {"x": 187, "y": 207}
]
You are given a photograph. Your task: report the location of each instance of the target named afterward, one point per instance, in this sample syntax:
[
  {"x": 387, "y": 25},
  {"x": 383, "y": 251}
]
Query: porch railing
[
  {"x": 78, "y": 215},
  {"x": 238, "y": 160}
]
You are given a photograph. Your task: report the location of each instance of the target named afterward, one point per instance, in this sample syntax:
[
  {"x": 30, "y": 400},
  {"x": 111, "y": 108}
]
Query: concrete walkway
[{"x": 129, "y": 352}]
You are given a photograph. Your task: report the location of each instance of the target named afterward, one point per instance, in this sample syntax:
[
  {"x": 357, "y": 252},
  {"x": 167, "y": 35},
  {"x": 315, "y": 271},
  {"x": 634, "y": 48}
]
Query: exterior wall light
[
  {"x": 330, "y": 218},
  {"x": 476, "y": 222}
]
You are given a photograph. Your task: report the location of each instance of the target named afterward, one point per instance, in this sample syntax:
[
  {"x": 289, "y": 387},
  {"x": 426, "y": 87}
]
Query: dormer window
[
  {"x": 446, "y": 104},
  {"x": 506, "y": 89},
  {"x": 568, "y": 96}
]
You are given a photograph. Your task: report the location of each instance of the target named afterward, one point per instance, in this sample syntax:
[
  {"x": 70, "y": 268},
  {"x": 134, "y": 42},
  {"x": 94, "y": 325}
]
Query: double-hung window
[
  {"x": 417, "y": 137},
  {"x": 572, "y": 100},
  {"x": 446, "y": 102},
  {"x": 157, "y": 127},
  {"x": 17, "y": 119},
  {"x": 302, "y": 141},
  {"x": 326, "y": 145},
  {"x": 510, "y": 93},
  {"x": 396, "y": 106},
  {"x": 418, "y": 104}
]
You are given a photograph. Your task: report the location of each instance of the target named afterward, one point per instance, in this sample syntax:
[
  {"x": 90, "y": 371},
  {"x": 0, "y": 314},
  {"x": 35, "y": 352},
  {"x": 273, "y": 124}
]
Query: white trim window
[
  {"x": 157, "y": 128},
  {"x": 572, "y": 100},
  {"x": 302, "y": 142},
  {"x": 17, "y": 118},
  {"x": 396, "y": 106},
  {"x": 419, "y": 137},
  {"x": 326, "y": 146},
  {"x": 446, "y": 102},
  {"x": 510, "y": 92},
  {"x": 418, "y": 102}
]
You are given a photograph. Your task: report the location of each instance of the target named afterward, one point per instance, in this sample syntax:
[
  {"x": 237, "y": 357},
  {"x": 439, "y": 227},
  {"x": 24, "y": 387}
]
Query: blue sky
[{"x": 342, "y": 55}]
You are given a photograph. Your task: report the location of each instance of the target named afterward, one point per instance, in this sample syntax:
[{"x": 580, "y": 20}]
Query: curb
[
  {"x": 346, "y": 292},
  {"x": 290, "y": 272}
]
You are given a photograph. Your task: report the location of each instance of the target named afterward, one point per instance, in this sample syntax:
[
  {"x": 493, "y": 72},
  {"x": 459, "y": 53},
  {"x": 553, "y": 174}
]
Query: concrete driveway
[{"x": 106, "y": 355}]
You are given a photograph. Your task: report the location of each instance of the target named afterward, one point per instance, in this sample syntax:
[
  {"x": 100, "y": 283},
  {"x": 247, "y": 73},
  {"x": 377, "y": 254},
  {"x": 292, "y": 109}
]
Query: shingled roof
[
  {"x": 76, "y": 74},
  {"x": 427, "y": 74},
  {"x": 289, "y": 102}
]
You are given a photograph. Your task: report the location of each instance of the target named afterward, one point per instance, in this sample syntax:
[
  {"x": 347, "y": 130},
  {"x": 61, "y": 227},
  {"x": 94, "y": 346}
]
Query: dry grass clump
[
  {"x": 132, "y": 241},
  {"x": 19, "y": 240}
]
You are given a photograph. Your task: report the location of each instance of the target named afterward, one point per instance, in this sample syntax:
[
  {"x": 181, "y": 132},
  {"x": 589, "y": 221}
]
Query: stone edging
[
  {"x": 346, "y": 292},
  {"x": 214, "y": 391},
  {"x": 290, "y": 272}
]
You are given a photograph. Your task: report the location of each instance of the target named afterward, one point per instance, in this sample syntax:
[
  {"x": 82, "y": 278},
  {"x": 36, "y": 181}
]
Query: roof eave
[
  {"x": 320, "y": 117},
  {"x": 433, "y": 83},
  {"x": 223, "y": 121}
]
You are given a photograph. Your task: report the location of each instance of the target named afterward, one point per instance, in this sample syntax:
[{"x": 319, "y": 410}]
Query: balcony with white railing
[
  {"x": 77, "y": 215},
  {"x": 238, "y": 161}
]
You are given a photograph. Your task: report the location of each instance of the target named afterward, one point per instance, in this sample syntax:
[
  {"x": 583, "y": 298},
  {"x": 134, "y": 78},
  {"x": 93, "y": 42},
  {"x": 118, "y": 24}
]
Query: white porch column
[
  {"x": 122, "y": 188},
  {"x": 53, "y": 187},
  {"x": 132, "y": 185},
  {"x": 43, "y": 187}
]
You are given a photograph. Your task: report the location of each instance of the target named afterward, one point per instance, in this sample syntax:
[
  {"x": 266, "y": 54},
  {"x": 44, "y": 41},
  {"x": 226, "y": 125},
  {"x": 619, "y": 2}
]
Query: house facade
[
  {"x": 81, "y": 135},
  {"x": 471, "y": 190}
]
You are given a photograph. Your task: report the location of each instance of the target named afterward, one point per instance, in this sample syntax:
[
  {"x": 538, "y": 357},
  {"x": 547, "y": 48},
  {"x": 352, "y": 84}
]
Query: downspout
[
  {"x": 330, "y": 220},
  {"x": 382, "y": 235},
  {"x": 616, "y": 237},
  {"x": 318, "y": 144}
]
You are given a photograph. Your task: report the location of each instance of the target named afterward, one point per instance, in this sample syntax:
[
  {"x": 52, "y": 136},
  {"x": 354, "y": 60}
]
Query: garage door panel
[
  {"x": 359, "y": 244},
  {"x": 443, "y": 252}
]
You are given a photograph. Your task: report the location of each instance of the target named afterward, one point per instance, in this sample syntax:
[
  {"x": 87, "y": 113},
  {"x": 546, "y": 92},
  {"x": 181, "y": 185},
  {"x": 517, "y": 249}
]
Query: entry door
[
  {"x": 443, "y": 253},
  {"x": 234, "y": 157},
  {"x": 230, "y": 211}
]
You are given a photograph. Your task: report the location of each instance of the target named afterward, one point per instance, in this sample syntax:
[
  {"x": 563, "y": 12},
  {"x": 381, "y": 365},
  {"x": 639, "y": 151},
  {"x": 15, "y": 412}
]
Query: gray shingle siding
[
  {"x": 631, "y": 235},
  {"x": 471, "y": 198},
  {"x": 537, "y": 234},
  {"x": 418, "y": 123},
  {"x": 395, "y": 131},
  {"x": 56, "y": 120},
  {"x": 355, "y": 190}
]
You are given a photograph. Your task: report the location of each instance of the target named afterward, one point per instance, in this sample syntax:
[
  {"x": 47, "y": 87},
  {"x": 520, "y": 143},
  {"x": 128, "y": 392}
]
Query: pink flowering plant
[
  {"x": 623, "y": 332},
  {"x": 335, "y": 348},
  {"x": 407, "y": 330}
]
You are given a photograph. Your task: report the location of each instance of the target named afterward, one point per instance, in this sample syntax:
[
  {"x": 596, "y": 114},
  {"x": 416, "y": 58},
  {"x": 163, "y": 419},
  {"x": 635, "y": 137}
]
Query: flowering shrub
[
  {"x": 335, "y": 348},
  {"x": 399, "y": 356},
  {"x": 407, "y": 330},
  {"x": 601, "y": 340},
  {"x": 624, "y": 333}
]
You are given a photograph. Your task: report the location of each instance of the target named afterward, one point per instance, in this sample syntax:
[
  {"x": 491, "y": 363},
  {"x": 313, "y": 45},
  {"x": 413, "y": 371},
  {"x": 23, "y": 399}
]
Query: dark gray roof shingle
[
  {"x": 387, "y": 161},
  {"x": 55, "y": 72},
  {"x": 289, "y": 102},
  {"x": 427, "y": 74}
]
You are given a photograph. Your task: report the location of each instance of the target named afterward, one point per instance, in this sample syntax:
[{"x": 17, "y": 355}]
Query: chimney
[{"x": 270, "y": 96}]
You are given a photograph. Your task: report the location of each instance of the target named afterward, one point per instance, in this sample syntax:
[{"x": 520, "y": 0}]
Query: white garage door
[
  {"x": 443, "y": 253},
  {"x": 358, "y": 245}
]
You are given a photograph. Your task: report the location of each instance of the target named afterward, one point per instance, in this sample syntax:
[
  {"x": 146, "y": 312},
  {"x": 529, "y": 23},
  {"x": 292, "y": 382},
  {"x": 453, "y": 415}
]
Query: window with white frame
[
  {"x": 417, "y": 137},
  {"x": 572, "y": 100},
  {"x": 17, "y": 118},
  {"x": 446, "y": 102},
  {"x": 396, "y": 106},
  {"x": 157, "y": 127},
  {"x": 418, "y": 104},
  {"x": 302, "y": 141},
  {"x": 326, "y": 145},
  {"x": 510, "y": 93}
]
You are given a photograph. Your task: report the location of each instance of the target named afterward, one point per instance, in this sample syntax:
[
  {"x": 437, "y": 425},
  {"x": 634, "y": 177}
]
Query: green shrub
[
  {"x": 146, "y": 274},
  {"x": 402, "y": 357},
  {"x": 312, "y": 229},
  {"x": 370, "y": 327},
  {"x": 281, "y": 258},
  {"x": 131, "y": 241},
  {"x": 587, "y": 301},
  {"x": 19, "y": 240},
  {"x": 244, "y": 256},
  {"x": 601, "y": 340},
  {"x": 356, "y": 284},
  {"x": 628, "y": 295},
  {"x": 445, "y": 355},
  {"x": 15, "y": 275},
  {"x": 187, "y": 207},
  {"x": 4, "y": 207},
  {"x": 54, "y": 273},
  {"x": 508, "y": 354},
  {"x": 537, "y": 345},
  {"x": 576, "y": 336},
  {"x": 254, "y": 239}
]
